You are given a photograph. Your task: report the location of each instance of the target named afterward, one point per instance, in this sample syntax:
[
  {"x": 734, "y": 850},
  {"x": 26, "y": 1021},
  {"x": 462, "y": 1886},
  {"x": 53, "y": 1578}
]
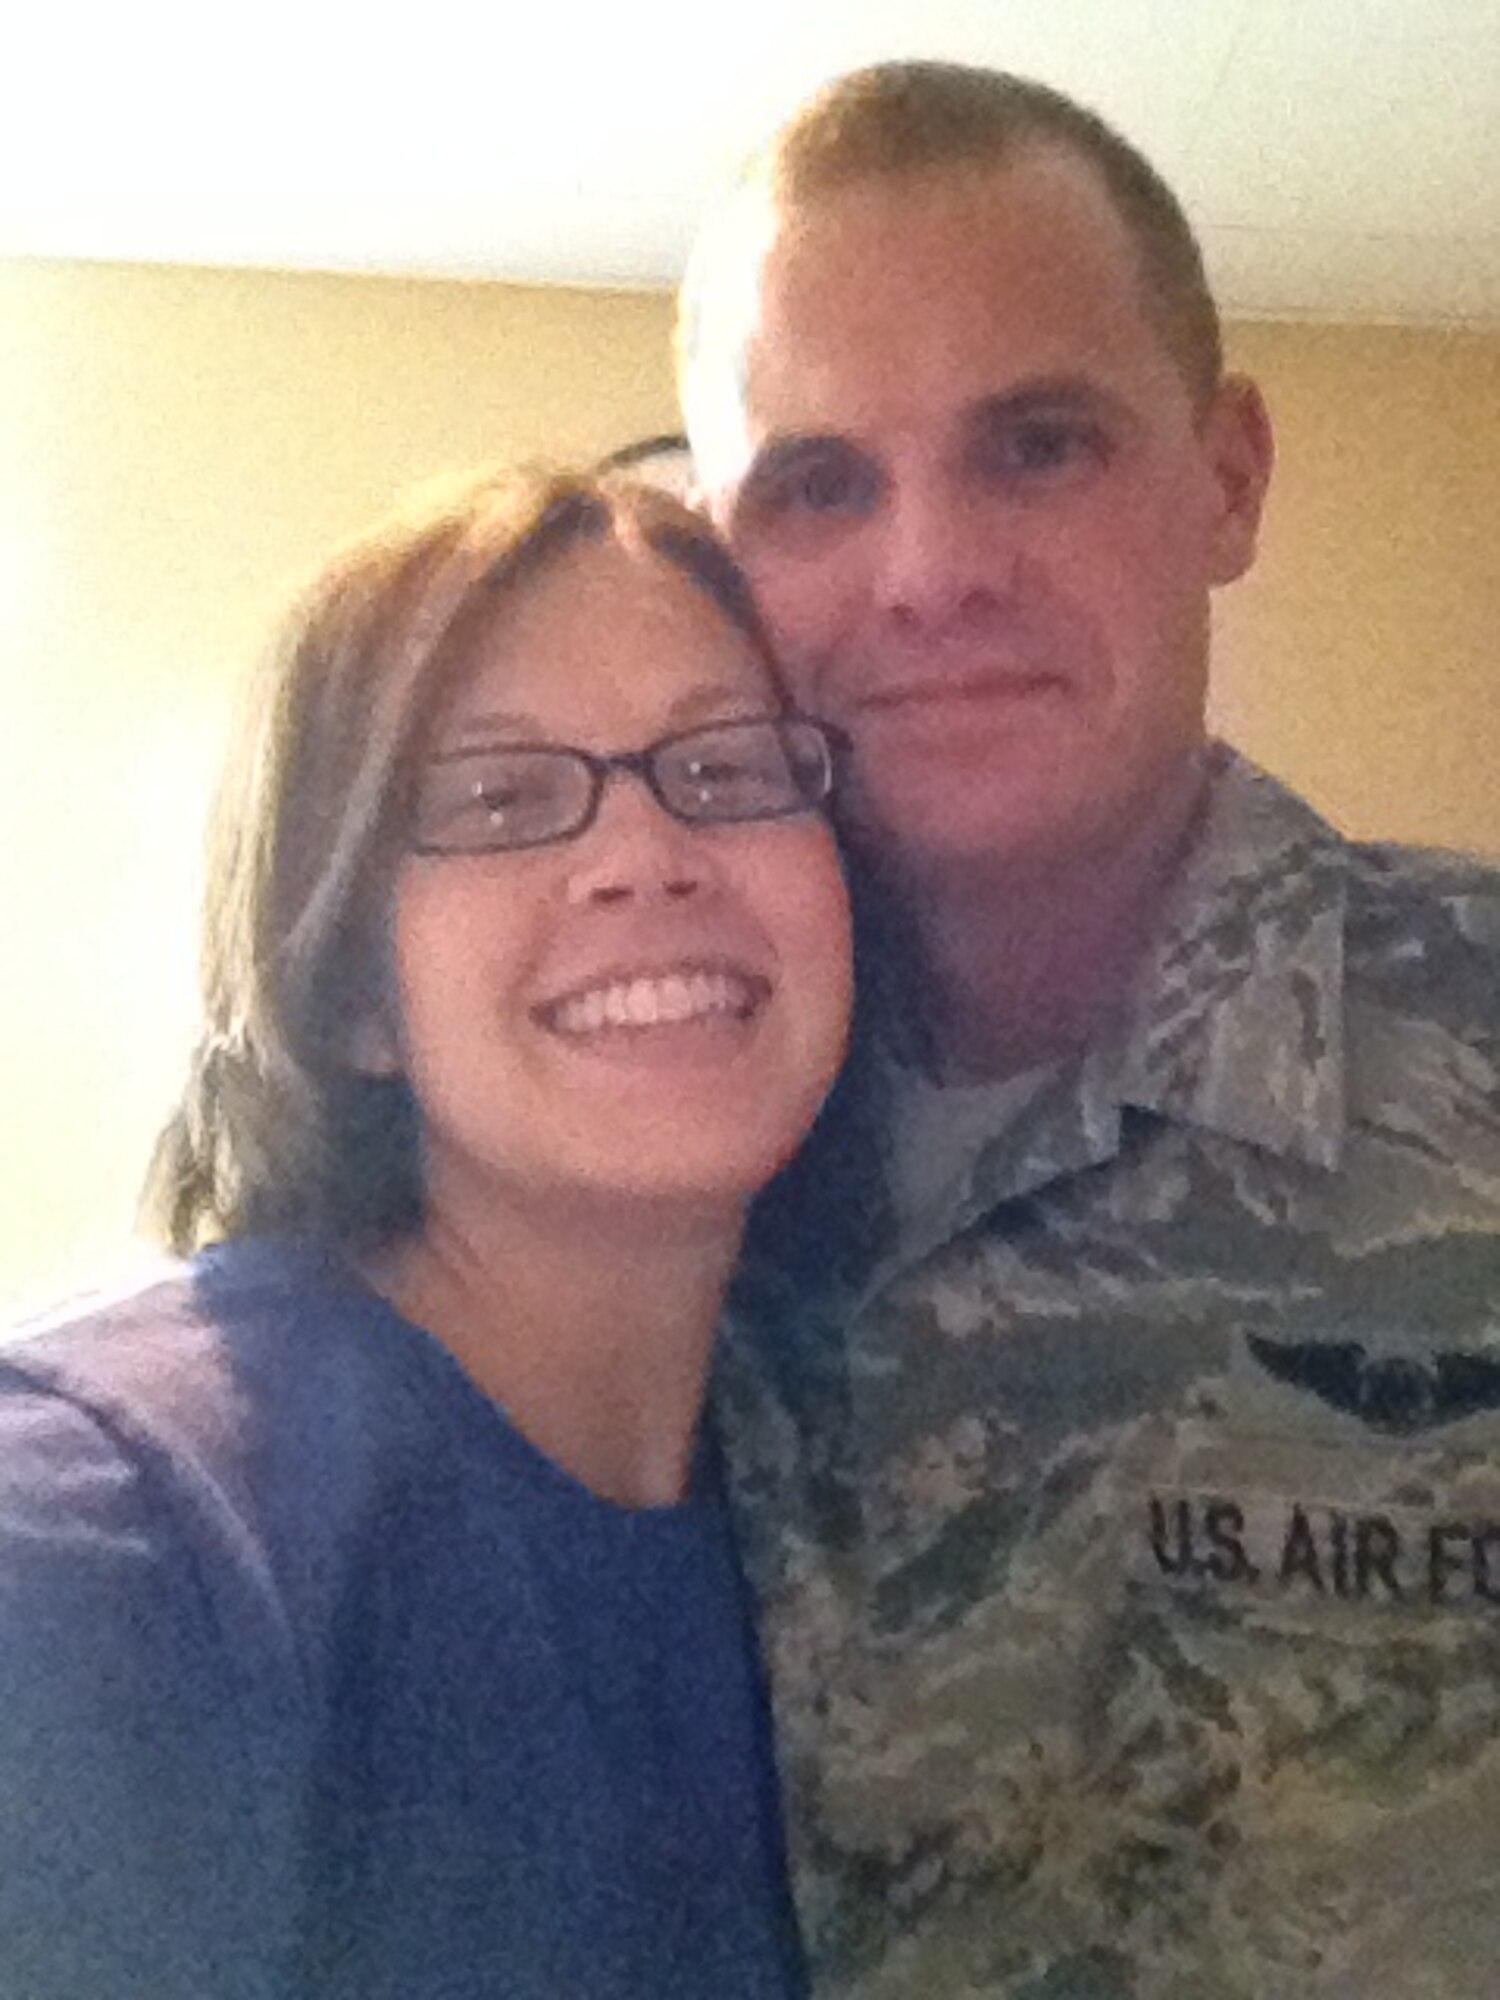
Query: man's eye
[
  {"x": 1044, "y": 445},
  {"x": 822, "y": 488},
  {"x": 809, "y": 488}
]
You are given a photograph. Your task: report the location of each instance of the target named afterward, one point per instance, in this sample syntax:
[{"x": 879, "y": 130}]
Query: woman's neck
[{"x": 592, "y": 1327}]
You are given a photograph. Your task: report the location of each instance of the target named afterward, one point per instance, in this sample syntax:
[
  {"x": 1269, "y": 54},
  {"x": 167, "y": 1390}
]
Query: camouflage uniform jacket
[{"x": 1128, "y": 1541}]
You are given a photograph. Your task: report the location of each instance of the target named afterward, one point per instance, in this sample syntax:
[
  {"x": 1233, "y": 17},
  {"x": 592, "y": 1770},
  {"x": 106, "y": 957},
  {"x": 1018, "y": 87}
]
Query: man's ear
[{"x": 1241, "y": 449}]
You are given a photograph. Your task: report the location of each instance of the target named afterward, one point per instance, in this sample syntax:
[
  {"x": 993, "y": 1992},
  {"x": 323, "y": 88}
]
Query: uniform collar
[
  {"x": 1236, "y": 1020},
  {"x": 1234, "y": 1023}
]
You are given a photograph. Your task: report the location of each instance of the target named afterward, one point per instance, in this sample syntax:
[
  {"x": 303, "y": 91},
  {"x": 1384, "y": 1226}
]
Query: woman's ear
[
  {"x": 371, "y": 1044},
  {"x": 371, "y": 1047}
]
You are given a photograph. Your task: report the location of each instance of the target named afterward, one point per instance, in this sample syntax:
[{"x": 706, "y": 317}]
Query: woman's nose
[{"x": 636, "y": 850}]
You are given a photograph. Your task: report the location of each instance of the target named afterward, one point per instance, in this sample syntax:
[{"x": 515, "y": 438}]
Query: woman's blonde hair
[{"x": 277, "y": 1129}]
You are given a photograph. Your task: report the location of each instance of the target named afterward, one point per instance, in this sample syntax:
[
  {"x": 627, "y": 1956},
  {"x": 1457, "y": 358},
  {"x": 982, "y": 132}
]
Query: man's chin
[
  {"x": 1061, "y": 806},
  {"x": 936, "y": 847},
  {"x": 916, "y": 847}
]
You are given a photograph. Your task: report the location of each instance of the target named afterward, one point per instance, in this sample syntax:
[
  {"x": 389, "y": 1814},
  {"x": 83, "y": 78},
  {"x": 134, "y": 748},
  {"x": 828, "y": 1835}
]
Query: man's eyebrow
[
  {"x": 779, "y": 453},
  {"x": 1048, "y": 393},
  {"x": 1037, "y": 396}
]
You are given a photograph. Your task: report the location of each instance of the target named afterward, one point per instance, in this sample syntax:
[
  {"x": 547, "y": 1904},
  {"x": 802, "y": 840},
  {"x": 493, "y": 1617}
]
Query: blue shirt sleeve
[{"x": 142, "y": 1855}]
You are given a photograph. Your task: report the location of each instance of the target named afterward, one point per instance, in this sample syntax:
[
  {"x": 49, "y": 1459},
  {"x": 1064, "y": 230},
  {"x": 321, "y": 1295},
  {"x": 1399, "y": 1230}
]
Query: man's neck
[
  {"x": 1019, "y": 963},
  {"x": 593, "y": 1332}
]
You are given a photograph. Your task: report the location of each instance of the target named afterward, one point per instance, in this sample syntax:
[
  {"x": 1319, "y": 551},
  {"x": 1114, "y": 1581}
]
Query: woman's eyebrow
[
  {"x": 705, "y": 702},
  {"x": 492, "y": 726},
  {"x": 708, "y": 702}
]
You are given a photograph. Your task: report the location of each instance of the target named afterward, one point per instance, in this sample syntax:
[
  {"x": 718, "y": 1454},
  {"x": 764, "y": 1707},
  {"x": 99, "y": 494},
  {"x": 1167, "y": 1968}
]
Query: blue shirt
[{"x": 317, "y": 1678}]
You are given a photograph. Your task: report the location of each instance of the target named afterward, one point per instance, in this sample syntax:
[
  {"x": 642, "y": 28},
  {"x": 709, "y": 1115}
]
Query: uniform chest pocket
[
  {"x": 1332, "y": 1474},
  {"x": 1313, "y": 1607}
]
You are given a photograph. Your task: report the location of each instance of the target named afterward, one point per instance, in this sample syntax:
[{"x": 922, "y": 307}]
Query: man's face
[{"x": 982, "y": 513}]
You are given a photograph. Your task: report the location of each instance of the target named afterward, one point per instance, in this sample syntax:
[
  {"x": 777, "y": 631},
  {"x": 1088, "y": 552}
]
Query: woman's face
[{"x": 646, "y": 1010}]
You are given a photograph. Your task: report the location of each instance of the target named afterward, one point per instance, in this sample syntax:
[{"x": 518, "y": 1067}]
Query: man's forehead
[
  {"x": 939, "y": 289},
  {"x": 963, "y": 228}
]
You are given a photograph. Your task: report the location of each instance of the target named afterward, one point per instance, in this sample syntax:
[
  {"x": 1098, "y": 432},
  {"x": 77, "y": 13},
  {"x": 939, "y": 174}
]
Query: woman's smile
[
  {"x": 638, "y": 1005},
  {"x": 687, "y": 995}
]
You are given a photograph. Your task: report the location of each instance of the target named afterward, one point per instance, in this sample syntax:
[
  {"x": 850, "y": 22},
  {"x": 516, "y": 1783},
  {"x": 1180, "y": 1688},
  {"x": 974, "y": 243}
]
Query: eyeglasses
[{"x": 494, "y": 799}]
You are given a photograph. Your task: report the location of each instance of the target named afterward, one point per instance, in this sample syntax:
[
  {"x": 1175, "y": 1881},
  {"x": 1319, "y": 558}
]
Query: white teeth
[
  {"x": 590, "y": 1012},
  {"x": 647, "y": 1003},
  {"x": 640, "y": 1004}
]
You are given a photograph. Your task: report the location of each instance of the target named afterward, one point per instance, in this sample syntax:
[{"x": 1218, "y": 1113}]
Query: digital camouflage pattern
[{"x": 1129, "y": 1542}]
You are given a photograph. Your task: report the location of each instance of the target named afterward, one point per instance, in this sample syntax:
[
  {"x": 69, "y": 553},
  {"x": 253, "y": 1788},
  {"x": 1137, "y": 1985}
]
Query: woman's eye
[
  {"x": 515, "y": 792},
  {"x": 498, "y": 798},
  {"x": 710, "y": 777},
  {"x": 474, "y": 801}
]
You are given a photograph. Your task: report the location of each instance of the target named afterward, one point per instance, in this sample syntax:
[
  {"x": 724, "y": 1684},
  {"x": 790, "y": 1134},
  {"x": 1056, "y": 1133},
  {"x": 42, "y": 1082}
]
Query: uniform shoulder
[
  {"x": 1431, "y": 895},
  {"x": 1397, "y": 872},
  {"x": 1423, "y": 936}
]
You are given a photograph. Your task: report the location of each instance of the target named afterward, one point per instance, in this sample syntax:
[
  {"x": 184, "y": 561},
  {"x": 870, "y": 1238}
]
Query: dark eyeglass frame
[{"x": 804, "y": 731}]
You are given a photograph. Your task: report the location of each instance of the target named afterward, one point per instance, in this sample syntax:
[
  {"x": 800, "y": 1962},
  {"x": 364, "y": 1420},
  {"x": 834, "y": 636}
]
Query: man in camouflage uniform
[{"x": 1126, "y": 1513}]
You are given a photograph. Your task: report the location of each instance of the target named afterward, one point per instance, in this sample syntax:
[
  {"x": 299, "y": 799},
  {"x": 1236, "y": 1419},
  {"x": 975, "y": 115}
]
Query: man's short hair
[{"x": 899, "y": 119}]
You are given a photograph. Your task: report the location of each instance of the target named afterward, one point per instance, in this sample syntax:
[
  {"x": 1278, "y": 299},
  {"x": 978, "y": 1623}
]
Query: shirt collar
[
  {"x": 1236, "y": 1019},
  {"x": 1234, "y": 1023}
]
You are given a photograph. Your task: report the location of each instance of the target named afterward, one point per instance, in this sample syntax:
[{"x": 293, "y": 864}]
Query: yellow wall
[
  {"x": 1361, "y": 659},
  {"x": 174, "y": 444}
]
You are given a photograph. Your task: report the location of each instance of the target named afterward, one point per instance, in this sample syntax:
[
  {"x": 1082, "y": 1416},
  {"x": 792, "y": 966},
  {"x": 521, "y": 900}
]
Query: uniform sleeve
[{"x": 140, "y": 1858}]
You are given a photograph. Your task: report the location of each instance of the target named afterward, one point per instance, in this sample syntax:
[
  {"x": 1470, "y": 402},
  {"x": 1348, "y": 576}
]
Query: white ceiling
[{"x": 1341, "y": 157}]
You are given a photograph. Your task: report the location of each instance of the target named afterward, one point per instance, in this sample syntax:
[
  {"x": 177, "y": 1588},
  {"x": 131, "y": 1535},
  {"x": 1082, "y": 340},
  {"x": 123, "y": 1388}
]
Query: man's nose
[
  {"x": 635, "y": 850},
  {"x": 945, "y": 558}
]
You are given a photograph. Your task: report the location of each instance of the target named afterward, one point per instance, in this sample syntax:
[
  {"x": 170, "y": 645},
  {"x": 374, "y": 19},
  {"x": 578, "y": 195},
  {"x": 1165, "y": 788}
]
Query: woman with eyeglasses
[{"x": 368, "y": 1619}]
